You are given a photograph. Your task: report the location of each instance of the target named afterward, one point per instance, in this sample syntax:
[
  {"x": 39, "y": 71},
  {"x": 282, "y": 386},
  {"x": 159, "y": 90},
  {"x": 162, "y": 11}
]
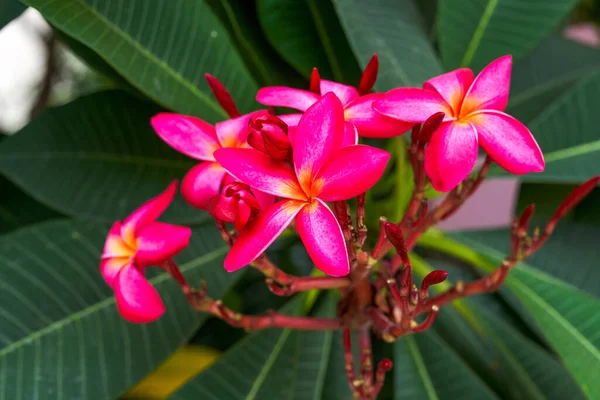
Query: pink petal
[
  {"x": 349, "y": 172},
  {"x": 322, "y": 236},
  {"x": 490, "y": 89},
  {"x": 234, "y": 132},
  {"x": 344, "y": 92},
  {"x": 369, "y": 122},
  {"x": 159, "y": 242},
  {"x": 110, "y": 268},
  {"x": 261, "y": 232},
  {"x": 450, "y": 155},
  {"x": 201, "y": 183},
  {"x": 350, "y": 135},
  {"x": 452, "y": 86},
  {"x": 510, "y": 144},
  {"x": 264, "y": 199},
  {"x": 322, "y": 131},
  {"x": 188, "y": 135},
  {"x": 282, "y": 96},
  {"x": 261, "y": 172},
  {"x": 292, "y": 122},
  {"x": 137, "y": 300},
  {"x": 412, "y": 105},
  {"x": 148, "y": 212},
  {"x": 114, "y": 245}
]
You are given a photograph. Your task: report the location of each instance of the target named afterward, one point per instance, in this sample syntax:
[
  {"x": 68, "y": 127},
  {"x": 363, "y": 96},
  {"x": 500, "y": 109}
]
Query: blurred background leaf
[{"x": 10, "y": 9}]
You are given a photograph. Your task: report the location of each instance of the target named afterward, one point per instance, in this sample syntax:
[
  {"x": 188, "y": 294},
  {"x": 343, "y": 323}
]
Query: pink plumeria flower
[
  {"x": 323, "y": 171},
  {"x": 131, "y": 246},
  {"x": 474, "y": 115},
  {"x": 199, "y": 140},
  {"x": 358, "y": 110}
]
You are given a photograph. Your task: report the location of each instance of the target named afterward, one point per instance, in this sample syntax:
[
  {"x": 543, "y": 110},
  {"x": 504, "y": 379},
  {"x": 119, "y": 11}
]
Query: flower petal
[
  {"x": 450, "y": 155},
  {"x": 110, "y": 268},
  {"x": 282, "y": 96},
  {"x": 201, "y": 183},
  {"x": 188, "y": 135},
  {"x": 260, "y": 232},
  {"x": 264, "y": 199},
  {"x": 369, "y": 122},
  {"x": 510, "y": 144},
  {"x": 114, "y": 246},
  {"x": 349, "y": 172},
  {"x": 412, "y": 105},
  {"x": 148, "y": 212},
  {"x": 344, "y": 92},
  {"x": 234, "y": 132},
  {"x": 159, "y": 242},
  {"x": 261, "y": 172},
  {"x": 137, "y": 300},
  {"x": 490, "y": 89},
  {"x": 350, "y": 135},
  {"x": 322, "y": 131},
  {"x": 322, "y": 236},
  {"x": 452, "y": 86},
  {"x": 290, "y": 119}
]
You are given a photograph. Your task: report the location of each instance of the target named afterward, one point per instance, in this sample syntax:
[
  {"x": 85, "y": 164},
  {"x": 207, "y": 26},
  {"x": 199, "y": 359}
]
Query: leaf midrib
[
  {"x": 421, "y": 368},
  {"x": 479, "y": 31},
  {"x": 105, "y": 303},
  {"x": 151, "y": 57},
  {"x": 325, "y": 41}
]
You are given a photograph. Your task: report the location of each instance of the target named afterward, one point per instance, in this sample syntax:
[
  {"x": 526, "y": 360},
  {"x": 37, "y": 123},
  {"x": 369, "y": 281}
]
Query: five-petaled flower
[
  {"x": 199, "y": 139},
  {"x": 358, "y": 110},
  {"x": 323, "y": 170},
  {"x": 135, "y": 244},
  {"x": 474, "y": 115}
]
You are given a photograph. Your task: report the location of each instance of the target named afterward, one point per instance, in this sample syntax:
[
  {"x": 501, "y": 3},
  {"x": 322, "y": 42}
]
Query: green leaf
[
  {"x": 567, "y": 134},
  {"x": 240, "y": 19},
  {"x": 62, "y": 336},
  {"x": 426, "y": 368},
  {"x": 17, "y": 209},
  {"x": 337, "y": 386},
  {"x": 270, "y": 364},
  {"x": 314, "y": 39},
  {"x": 547, "y": 73},
  {"x": 96, "y": 157},
  {"x": 474, "y": 32},
  {"x": 566, "y": 315},
  {"x": 11, "y": 9},
  {"x": 393, "y": 29},
  {"x": 163, "y": 48}
]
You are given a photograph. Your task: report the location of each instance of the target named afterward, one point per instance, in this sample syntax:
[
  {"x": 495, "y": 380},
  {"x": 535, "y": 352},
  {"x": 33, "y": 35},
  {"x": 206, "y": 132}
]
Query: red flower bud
[
  {"x": 315, "y": 81},
  {"x": 269, "y": 135},
  {"x": 433, "y": 278},
  {"x": 222, "y": 96},
  {"x": 430, "y": 126},
  {"x": 369, "y": 76},
  {"x": 523, "y": 223},
  {"x": 236, "y": 204},
  {"x": 575, "y": 197}
]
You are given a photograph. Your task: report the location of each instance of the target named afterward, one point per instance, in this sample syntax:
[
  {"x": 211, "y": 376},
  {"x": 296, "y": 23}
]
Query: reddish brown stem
[
  {"x": 366, "y": 355},
  {"x": 301, "y": 284},
  {"x": 361, "y": 228}
]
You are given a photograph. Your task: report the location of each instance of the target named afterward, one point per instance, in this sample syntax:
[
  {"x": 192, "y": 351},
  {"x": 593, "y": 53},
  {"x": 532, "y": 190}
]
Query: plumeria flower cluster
[{"x": 261, "y": 173}]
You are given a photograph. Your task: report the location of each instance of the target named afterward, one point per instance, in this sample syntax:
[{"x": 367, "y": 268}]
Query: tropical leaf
[
  {"x": 162, "y": 48},
  {"x": 266, "y": 66},
  {"x": 11, "y": 9},
  {"x": 87, "y": 158},
  {"x": 393, "y": 29},
  {"x": 62, "y": 336},
  {"x": 271, "y": 364},
  {"x": 315, "y": 39},
  {"x": 474, "y": 32}
]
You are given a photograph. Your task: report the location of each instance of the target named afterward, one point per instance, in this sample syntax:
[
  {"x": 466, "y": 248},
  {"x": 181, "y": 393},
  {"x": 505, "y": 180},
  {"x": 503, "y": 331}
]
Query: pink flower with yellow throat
[
  {"x": 474, "y": 109},
  {"x": 323, "y": 170},
  {"x": 132, "y": 246}
]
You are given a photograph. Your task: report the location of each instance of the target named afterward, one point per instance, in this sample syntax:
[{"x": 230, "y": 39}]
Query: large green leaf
[
  {"x": 162, "y": 47},
  {"x": 62, "y": 336},
  {"x": 240, "y": 19},
  {"x": 474, "y": 32},
  {"x": 10, "y": 9},
  {"x": 568, "y": 317},
  {"x": 96, "y": 157},
  {"x": 393, "y": 29},
  {"x": 567, "y": 133},
  {"x": 314, "y": 39},
  {"x": 271, "y": 364}
]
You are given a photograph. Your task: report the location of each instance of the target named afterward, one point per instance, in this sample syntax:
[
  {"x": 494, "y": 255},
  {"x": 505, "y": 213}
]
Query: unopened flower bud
[
  {"x": 269, "y": 135},
  {"x": 315, "y": 81},
  {"x": 236, "y": 204},
  {"x": 430, "y": 126},
  {"x": 222, "y": 95},
  {"x": 432, "y": 278},
  {"x": 369, "y": 76}
]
